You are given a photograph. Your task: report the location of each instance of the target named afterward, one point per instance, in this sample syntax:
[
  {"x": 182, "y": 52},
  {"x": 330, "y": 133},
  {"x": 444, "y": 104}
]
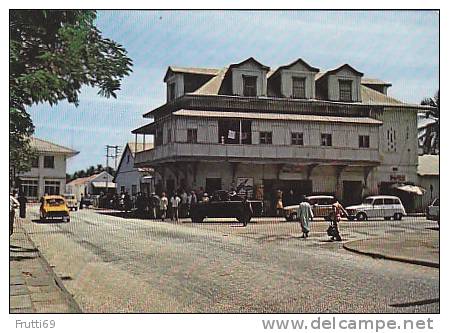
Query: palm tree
[{"x": 430, "y": 137}]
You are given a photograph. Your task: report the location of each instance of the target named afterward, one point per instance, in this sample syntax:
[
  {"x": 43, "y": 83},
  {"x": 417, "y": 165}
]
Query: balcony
[{"x": 256, "y": 153}]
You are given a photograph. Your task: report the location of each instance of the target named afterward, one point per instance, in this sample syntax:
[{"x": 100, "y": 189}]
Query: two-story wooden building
[{"x": 293, "y": 128}]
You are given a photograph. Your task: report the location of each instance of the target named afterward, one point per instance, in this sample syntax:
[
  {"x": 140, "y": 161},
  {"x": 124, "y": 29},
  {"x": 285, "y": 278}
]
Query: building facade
[
  {"x": 48, "y": 170},
  {"x": 130, "y": 179},
  {"x": 292, "y": 129}
]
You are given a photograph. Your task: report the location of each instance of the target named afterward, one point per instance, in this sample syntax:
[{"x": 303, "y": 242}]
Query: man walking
[
  {"x": 175, "y": 201},
  {"x": 305, "y": 215},
  {"x": 337, "y": 212},
  {"x": 13, "y": 204},
  {"x": 23, "y": 204},
  {"x": 163, "y": 206}
]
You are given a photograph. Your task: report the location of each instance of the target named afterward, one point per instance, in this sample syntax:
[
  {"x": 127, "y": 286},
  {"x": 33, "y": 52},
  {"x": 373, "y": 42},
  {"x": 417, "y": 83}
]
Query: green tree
[
  {"x": 431, "y": 139},
  {"x": 53, "y": 54}
]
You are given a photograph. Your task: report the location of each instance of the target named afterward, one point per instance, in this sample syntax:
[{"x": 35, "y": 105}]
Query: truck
[{"x": 226, "y": 204}]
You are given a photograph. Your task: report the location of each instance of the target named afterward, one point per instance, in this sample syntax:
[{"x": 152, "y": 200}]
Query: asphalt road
[{"x": 112, "y": 264}]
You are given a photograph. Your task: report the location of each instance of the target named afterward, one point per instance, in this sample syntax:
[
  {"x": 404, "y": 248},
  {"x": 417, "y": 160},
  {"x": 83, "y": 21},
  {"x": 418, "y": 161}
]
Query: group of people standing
[
  {"x": 176, "y": 205},
  {"x": 305, "y": 216}
]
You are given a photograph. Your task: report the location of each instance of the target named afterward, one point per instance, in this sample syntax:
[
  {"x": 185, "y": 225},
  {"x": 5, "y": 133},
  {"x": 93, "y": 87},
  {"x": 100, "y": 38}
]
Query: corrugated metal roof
[
  {"x": 140, "y": 146},
  {"x": 212, "y": 87},
  {"x": 366, "y": 80},
  {"x": 276, "y": 116},
  {"x": 49, "y": 147},
  {"x": 429, "y": 165},
  {"x": 371, "y": 96},
  {"x": 195, "y": 70}
]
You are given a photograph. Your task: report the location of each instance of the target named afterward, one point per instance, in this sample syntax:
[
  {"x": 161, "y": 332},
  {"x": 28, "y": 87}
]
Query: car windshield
[
  {"x": 368, "y": 201},
  {"x": 55, "y": 202}
]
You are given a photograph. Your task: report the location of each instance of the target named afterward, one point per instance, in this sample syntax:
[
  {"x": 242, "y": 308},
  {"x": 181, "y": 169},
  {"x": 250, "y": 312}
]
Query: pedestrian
[
  {"x": 305, "y": 215},
  {"x": 183, "y": 206},
  {"x": 163, "y": 206},
  {"x": 81, "y": 201},
  {"x": 175, "y": 202},
  {"x": 279, "y": 206},
  {"x": 155, "y": 204},
  {"x": 23, "y": 204},
  {"x": 337, "y": 212},
  {"x": 13, "y": 204}
]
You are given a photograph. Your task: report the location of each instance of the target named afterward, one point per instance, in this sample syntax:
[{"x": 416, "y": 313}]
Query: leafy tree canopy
[{"x": 53, "y": 53}]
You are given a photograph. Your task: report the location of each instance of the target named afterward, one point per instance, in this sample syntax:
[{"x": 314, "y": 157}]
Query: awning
[
  {"x": 146, "y": 129},
  {"x": 410, "y": 189},
  {"x": 103, "y": 184},
  {"x": 147, "y": 179},
  {"x": 276, "y": 116}
]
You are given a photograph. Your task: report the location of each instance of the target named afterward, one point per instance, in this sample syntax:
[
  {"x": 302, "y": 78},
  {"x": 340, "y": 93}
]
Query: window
[
  {"x": 326, "y": 140},
  {"x": 29, "y": 188},
  {"x": 345, "y": 90},
  {"x": 378, "y": 202},
  {"x": 133, "y": 189},
  {"x": 229, "y": 131},
  {"x": 297, "y": 139},
  {"x": 127, "y": 159},
  {"x": 249, "y": 85},
  {"x": 49, "y": 162},
  {"x": 192, "y": 135},
  {"x": 266, "y": 138},
  {"x": 363, "y": 141},
  {"x": 299, "y": 87},
  {"x": 388, "y": 201},
  {"x": 51, "y": 187},
  {"x": 35, "y": 162},
  {"x": 158, "y": 140},
  {"x": 169, "y": 135},
  {"x": 122, "y": 189},
  {"x": 171, "y": 91}
]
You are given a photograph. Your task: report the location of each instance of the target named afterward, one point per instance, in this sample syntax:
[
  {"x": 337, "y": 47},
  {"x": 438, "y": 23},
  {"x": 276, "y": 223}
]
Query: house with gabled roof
[
  {"x": 129, "y": 178},
  {"x": 97, "y": 184},
  {"x": 48, "y": 169},
  {"x": 292, "y": 128}
]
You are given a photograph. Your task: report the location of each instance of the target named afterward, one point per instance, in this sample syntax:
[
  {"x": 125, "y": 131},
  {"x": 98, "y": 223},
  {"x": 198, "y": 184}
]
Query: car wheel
[
  {"x": 361, "y": 216},
  {"x": 397, "y": 216}
]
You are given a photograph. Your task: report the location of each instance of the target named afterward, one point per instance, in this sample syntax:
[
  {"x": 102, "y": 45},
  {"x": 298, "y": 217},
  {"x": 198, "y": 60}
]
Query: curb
[
  {"x": 74, "y": 307},
  {"x": 400, "y": 259}
]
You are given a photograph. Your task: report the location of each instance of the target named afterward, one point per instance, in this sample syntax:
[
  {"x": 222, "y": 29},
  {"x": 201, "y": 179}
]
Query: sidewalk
[
  {"x": 33, "y": 286},
  {"x": 419, "y": 249}
]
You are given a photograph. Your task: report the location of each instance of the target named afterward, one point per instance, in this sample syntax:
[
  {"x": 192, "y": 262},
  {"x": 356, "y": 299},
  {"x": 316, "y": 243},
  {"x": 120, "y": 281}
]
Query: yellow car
[{"x": 54, "y": 207}]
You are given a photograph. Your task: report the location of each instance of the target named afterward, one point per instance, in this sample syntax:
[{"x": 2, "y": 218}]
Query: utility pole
[{"x": 114, "y": 154}]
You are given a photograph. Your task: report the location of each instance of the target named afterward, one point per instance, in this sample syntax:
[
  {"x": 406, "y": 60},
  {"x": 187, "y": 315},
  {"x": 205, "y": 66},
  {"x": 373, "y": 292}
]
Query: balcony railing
[{"x": 255, "y": 152}]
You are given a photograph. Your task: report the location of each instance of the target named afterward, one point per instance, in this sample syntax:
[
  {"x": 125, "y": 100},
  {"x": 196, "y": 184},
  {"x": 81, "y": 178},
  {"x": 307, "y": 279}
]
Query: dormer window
[
  {"x": 345, "y": 90},
  {"x": 171, "y": 91},
  {"x": 249, "y": 85},
  {"x": 298, "y": 87}
]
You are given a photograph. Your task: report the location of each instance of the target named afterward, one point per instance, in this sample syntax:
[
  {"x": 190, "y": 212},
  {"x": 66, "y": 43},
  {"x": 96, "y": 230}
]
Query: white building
[
  {"x": 294, "y": 128},
  {"x": 130, "y": 179},
  {"x": 92, "y": 185},
  {"x": 48, "y": 170},
  {"x": 429, "y": 177}
]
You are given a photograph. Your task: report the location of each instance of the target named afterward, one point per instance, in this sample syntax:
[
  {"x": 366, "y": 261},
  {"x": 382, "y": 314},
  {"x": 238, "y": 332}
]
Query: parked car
[
  {"x": 224, "y": 204},
  {"x": 321, "y": 207},
  {"x": 54, "y": 207},
  {"x": 433, "y": 211},
  {"x": 378, "y": 206},
  {"x": 72, "y": 203}
]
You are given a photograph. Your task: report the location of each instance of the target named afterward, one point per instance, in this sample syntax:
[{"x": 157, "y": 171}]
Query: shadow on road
[{"x": 48, "y": 221}]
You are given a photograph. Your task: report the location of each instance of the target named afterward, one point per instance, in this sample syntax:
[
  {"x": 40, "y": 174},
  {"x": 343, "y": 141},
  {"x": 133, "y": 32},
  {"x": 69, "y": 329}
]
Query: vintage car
[
  {"x": 54, "y": 207},
  {"x": 321, "y": 207},
  {"x": 72, "y": 203},
  {"x": 225, "y": 204},
  {"x": 377, "y": 206},
  {"x": 433, "y": 211}
]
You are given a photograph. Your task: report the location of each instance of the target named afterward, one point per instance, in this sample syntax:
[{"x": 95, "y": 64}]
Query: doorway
[{"x": 352, "y": 192}]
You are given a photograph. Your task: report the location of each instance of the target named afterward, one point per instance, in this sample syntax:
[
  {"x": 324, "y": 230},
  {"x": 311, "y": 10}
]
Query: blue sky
[{"x": 398, "y": 47}]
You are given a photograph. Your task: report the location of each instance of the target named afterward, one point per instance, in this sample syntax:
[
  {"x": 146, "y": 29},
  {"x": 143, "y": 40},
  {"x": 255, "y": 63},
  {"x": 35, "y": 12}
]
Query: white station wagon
[{"x": 378, "y": 206}]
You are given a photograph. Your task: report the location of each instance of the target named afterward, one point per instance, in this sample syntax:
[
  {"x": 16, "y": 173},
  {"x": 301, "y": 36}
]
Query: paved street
[{"x": 112, "y": 264}]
